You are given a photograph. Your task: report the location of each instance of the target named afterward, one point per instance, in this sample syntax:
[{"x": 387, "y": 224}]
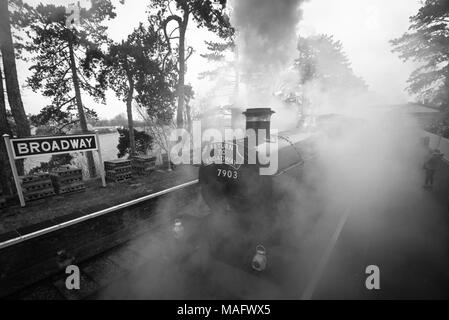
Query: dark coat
[{"x": 432, "y": 163}]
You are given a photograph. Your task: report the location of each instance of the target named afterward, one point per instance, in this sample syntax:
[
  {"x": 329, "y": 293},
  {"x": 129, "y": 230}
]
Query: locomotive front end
[{"x": 230, "y": 173}]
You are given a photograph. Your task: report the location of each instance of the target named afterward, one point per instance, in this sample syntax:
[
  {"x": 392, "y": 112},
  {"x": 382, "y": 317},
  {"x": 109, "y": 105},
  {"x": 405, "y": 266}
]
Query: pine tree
[
  {"x": 427, "y": 43},
  {"x": 325, "y": 69},
  {"x": 58, "y": 51}
]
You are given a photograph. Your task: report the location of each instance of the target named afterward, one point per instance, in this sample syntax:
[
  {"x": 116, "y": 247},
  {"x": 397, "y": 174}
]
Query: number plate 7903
[{"x": 228, "y": 174}]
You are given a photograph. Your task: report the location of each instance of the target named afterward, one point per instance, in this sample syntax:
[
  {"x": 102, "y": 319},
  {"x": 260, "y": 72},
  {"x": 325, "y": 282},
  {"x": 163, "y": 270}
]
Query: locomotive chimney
[{"x": 259, "y": 118}]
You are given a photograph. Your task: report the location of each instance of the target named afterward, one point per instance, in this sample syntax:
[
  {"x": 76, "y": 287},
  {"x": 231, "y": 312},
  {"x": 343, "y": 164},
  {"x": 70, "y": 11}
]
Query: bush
[
  {"x": 143, "y": 142},
  {"x": 55, "y": 162}
]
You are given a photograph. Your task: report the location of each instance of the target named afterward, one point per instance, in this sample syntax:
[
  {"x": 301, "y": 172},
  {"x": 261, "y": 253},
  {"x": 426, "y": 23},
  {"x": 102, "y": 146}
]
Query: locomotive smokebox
[{"x": 257, "y": 119}]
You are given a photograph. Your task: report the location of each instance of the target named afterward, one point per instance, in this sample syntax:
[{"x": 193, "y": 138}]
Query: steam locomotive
[
  {"x": 245, "y": 203},
  {"x": 239, "y": 187},
  {"x": 235, "y": 185},
  {"x": 254, "y": 204}
]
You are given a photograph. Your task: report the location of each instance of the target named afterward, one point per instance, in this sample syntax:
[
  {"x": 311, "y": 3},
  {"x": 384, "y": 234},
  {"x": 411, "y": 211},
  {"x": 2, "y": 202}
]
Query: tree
[
  {"x": 10, "y": 70},
  {"x": 206, "y": 13},
  {"x": 226, "y": 72},
  {"x": 217, "y": 55},
  {"x": 324, "y": 69},
  {"x": 58, "y": 51},
  {"x": 7, "y": 54},
  {"x": 322, "y": 57},
  {"x": 5, "y": 171},
  {"x": 136, "y": 67},
  {"x": 427, "y": 43}
]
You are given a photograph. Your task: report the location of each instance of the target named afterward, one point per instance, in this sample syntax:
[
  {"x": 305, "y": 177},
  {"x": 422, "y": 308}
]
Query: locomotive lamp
[
  {"x": 260, "y": 259},
  {"x": 178, "y": 229},
  {"x": 64, "y": 259}
]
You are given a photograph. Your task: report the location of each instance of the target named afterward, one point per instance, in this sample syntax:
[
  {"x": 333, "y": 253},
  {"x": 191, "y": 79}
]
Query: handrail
[{"x": 66, "y": 224}]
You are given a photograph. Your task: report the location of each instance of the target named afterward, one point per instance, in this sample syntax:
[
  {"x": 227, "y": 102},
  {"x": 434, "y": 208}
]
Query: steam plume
[{"x": 266, "y": 39}]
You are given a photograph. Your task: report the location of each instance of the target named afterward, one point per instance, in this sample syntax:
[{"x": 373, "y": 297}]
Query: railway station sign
[
  {"x": 35, "y": 146},
  {"x": 20, "y": 148}
]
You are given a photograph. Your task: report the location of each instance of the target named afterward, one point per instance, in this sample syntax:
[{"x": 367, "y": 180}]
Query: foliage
[
  {"x": 118, "y": 121},
  {"x": 143, "y": 142},
  {"x": 206, "y": 13},
  {"x": 142, "y": 61},
  {"x": 325, "y": 71},
  {"x": 225, "y": 74},
  {"x": 56, "y": 161},
  {"x": 8, "y": 57},
  {"x": 159, "y": 127},
  {"x": 427, "y": 43},
  {"x": 217, "y": 55},
  {"x": 321, "y": 57},
  {"x": 58, "y": 121},
  {"x": 48, "y": 48},
  {"x": 12, "y": 127}
]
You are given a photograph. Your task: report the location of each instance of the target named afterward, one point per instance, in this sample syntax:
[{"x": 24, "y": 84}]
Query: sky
[{"x": 364, "y": 28}]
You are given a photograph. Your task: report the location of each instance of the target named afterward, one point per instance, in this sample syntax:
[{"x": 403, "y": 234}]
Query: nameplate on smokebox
[{"x": 223, "y": 153}]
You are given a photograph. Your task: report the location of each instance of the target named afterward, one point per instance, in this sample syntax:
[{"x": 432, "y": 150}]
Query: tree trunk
[
  {"x": 79, "y": 104},
  {"x": 10, "y": 69},
  {"x": 129, "y": 110},
  {"x": 11, "y": 80},
  {"x": 5, "y": 167},
  {"x": 182, "y": 68}
]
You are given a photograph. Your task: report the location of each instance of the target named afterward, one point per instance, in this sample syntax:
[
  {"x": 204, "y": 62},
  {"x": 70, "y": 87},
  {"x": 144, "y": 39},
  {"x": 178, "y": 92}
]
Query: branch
[
  {"x": 68, "y": 123},
  {"x": 59, "y": 49},
  {"x": 189, "y": 53},
  {"x": 68, "y": 101},
  {"x": 171, "y": 33},
  {"x": 63, "y": 76},
  {"x": 164, "y": 27}
]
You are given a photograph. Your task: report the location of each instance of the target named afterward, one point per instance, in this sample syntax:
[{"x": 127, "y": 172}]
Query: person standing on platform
[{"x": 430, "y": 167}]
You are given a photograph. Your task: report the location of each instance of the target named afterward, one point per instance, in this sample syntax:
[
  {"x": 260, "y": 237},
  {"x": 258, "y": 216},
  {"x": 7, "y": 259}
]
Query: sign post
[
  {"x": 100, "y": 158},
  {"x": 14, "y": 169},
  {"x": 20, "y": 148}
]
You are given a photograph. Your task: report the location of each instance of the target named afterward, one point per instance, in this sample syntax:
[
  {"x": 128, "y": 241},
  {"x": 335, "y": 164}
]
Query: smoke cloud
[
  {"x": 266, "y": 31},
  {"x": 266, "y": 41},
  {"x": 367, "y": 162}
]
